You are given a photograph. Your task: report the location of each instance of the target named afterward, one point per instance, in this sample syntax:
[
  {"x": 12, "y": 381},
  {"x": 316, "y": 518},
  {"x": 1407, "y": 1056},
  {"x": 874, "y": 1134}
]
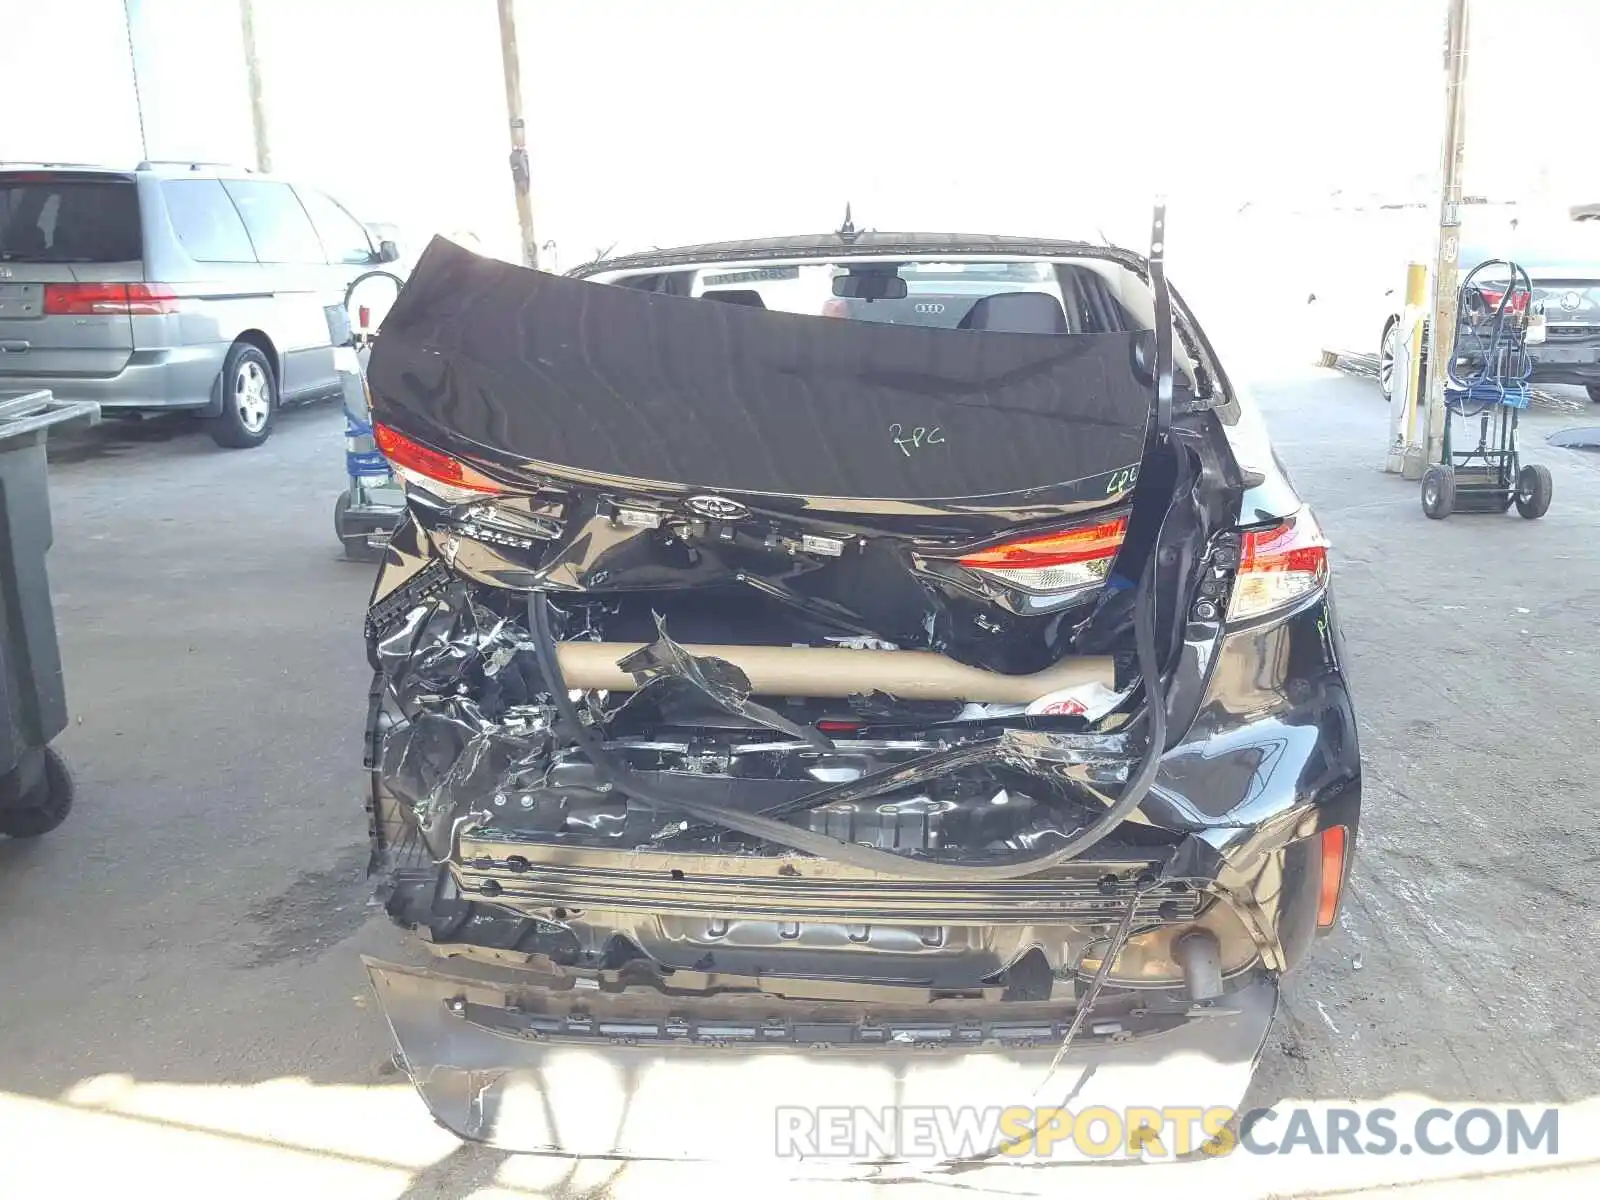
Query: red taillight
[
  {"x": 1519, "y": 300},
  {"x": 1055, "y": 549},
  {"x": 1054, "y": 562},
  {"x": 1279, "y": 566},
  {"x": 1333, "y": 853},
  {"x": 101, "y": 299},
  {"x": 432, "y": 467}
]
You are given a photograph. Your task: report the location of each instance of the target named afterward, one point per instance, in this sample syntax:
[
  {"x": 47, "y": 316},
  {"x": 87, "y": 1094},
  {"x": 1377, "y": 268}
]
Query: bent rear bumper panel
[{"x": 660, "y": 1097}]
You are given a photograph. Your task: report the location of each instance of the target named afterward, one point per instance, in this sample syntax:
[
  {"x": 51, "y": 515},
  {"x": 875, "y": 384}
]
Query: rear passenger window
[
  {"x": 279, "y": 228},
  {"x": 46, "y": 218},
  {"x": 206, "y": 222},
  {"x": 343, "y": 237}
]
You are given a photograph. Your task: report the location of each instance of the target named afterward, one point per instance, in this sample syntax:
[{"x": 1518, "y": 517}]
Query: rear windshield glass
[
  {"x": 89, "y": 221},
  {"x": 1061, "y": 297}
]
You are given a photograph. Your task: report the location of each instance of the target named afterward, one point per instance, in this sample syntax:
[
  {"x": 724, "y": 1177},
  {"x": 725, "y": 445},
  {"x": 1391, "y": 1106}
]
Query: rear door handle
[{"x": 13, "y": 347}]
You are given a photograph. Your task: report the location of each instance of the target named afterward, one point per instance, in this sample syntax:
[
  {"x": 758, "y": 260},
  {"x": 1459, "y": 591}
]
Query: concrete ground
[{"x": 181, "y": 999}]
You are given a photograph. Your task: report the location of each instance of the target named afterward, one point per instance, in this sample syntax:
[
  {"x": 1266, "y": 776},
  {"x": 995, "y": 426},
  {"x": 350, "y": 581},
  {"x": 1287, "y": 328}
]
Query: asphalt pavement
[{"x": 181, "y": 997}]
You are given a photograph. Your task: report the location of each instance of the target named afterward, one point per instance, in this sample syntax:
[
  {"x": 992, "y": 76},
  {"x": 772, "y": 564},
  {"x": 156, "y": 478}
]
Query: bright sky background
[{"x": 665, "y": 122}]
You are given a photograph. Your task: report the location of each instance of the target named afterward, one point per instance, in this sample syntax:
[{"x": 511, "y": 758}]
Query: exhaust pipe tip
[{"x": 1199, "y": 955}]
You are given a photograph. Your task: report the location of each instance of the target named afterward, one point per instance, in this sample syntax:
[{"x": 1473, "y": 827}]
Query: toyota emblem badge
[{"x": 717, "y": 508}]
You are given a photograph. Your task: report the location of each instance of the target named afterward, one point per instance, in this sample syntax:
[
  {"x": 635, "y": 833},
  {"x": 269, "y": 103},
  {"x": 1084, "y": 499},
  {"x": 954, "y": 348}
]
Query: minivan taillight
[
  {"x": 448, "y": 478},
  {"x": 1279, "y": 566},
  {"x": 1054, "y": 562},
  {"x": 102, "y": 299}
]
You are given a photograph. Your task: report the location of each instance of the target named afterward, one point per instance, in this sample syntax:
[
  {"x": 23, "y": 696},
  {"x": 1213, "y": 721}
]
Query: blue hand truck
[
  {"x": 372, "y": 503},
  {"x": 1488, "y": 380}
]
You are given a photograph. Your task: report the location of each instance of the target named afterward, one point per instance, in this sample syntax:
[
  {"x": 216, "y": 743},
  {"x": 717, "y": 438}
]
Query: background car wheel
[
  {"x": 249, "y": 399},
  {"x": 45, "y": 801},
  {"x": 356, "y": 546},
  {"x": 1534, "y": 488},
  {"x": 1594, "y": 392},
  {"x": 1327, "y": 358},
  {"x": 1387, "y": 346},
  {"x": 1438, "y": 491}
]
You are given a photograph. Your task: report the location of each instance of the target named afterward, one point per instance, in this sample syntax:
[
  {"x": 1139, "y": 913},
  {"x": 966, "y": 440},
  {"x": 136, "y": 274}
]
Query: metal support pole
[
  {"x": 1442, "y": 323},
  {"x": 520, "y": 174},
  {"x": 252, "y": 66}
]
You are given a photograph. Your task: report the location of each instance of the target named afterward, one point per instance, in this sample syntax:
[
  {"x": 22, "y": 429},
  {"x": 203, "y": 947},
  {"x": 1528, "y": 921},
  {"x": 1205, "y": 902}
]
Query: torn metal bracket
[{"x": 721, "y": 682}]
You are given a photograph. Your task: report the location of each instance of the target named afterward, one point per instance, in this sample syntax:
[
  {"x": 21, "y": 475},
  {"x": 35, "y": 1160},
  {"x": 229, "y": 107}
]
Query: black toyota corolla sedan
[{"x": 783, "y": 705}]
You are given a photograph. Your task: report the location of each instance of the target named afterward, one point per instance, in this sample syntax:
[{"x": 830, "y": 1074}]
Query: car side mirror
[{"x": 388, "y": 251}]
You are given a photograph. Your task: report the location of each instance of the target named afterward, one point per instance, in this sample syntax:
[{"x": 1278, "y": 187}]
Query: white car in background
[{"x": 1356, "y": 304}]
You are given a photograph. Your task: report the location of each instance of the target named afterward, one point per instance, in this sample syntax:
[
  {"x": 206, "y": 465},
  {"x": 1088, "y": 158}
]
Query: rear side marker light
[
  {"x": 1054, "y": 562},
  {"x": 1333, "y": 855},
  {"x": 448, "y": 478},
  {"x": 1279, "y": 566},
  {"x": 108, "y": 299}
]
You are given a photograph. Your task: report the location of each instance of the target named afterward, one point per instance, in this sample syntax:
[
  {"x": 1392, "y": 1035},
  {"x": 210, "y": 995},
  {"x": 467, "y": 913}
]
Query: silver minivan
[{"x": 174, "y": 286}]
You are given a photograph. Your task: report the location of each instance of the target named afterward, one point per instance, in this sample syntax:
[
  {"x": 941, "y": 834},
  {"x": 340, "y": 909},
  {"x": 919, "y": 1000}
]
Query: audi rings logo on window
[{"x": 928, "y": 308}]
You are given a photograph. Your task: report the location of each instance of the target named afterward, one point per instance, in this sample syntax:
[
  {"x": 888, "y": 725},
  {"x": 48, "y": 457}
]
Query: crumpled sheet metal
[
  {"x": 466, "y": 681},
  {"x": 477, "y": 732},
  {"x": 477, "y": 738}
]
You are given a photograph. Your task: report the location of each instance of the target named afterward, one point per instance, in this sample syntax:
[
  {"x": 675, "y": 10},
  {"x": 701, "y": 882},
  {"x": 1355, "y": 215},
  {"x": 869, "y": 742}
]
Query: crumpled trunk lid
[
  {"x": 654, "y": 443},
  {"x": 558, "y": 378}
]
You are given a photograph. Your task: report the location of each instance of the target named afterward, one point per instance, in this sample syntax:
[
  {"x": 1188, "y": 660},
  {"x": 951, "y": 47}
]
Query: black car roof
[{"x": 835, "y": 245}]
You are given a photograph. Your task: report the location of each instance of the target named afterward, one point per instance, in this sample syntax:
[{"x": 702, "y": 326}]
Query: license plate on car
[{"x": 1567, "y": 354}]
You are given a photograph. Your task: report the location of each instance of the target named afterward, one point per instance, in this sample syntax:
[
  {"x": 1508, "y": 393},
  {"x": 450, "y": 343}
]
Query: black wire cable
[{"x": 1487, "y": 386}]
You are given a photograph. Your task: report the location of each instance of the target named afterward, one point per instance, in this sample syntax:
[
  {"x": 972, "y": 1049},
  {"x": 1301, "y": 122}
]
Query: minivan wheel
[
  {"x": 1594, "y": 391},
  {"x": 249, "y": 399}
]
